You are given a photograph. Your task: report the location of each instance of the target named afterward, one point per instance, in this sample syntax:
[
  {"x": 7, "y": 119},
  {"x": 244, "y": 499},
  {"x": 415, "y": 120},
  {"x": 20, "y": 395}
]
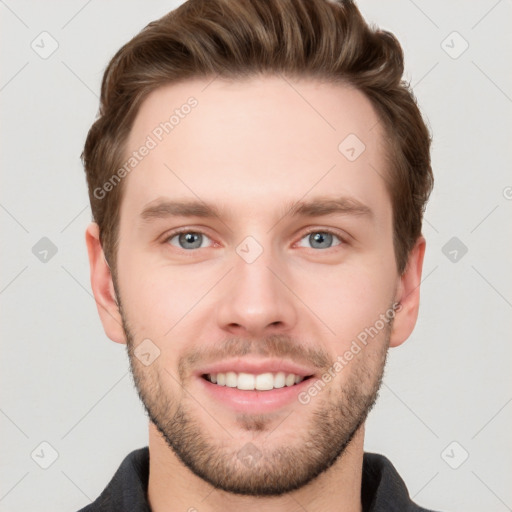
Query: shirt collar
[{"x": 382, "y": 489}]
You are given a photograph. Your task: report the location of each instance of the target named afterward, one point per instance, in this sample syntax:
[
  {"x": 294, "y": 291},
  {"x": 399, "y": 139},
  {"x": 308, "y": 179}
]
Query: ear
[
  {"x": 408, "y": 295},
  {"x": 103, "y": 286}
]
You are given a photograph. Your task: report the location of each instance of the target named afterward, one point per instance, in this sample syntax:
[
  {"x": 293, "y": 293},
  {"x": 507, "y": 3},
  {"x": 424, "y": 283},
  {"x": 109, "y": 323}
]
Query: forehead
[{"x": 253, "y": 144}]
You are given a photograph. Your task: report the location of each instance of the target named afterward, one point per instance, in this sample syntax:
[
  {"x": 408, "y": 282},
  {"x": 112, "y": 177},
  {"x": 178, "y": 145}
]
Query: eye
[
  {"x": 190, "y": 240},
  {"x": 322, "y": 239},
  {"x": 187, "y": 239}
]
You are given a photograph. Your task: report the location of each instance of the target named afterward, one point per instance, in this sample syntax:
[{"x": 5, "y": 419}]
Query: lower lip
[{"x": 255, "y": 401}]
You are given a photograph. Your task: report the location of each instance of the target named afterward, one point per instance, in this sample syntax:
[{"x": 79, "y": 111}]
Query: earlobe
[
  {"x": 103, "y": 286},
  {"x": 408, "y": 295}
]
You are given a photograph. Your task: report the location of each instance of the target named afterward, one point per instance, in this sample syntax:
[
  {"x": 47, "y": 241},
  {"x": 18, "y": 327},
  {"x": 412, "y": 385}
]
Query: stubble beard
[{"x": 256, "y": 468}]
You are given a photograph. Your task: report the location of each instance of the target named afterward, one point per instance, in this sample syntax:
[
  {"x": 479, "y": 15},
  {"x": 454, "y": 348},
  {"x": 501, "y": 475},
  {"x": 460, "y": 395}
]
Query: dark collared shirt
[{"x": 382, "y": 488}]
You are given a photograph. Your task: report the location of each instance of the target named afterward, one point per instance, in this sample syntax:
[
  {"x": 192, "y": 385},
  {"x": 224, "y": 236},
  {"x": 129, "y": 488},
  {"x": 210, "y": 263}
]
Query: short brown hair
[{"x": 236, "y": 39}]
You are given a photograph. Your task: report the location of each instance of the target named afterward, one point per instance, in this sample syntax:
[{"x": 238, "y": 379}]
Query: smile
[{"x": 260, "y": 382}]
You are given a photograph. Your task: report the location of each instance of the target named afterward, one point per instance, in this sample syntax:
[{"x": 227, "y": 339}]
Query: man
[{"x": 257, "y": 176}]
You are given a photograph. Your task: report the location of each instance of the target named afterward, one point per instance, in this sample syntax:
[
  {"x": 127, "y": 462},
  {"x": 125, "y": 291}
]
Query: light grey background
[{"x": 65, "y": 383}]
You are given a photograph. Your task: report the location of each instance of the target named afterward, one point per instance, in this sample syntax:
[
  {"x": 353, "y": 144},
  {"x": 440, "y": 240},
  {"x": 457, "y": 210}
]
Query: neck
[{"x": 173, "y": 487}]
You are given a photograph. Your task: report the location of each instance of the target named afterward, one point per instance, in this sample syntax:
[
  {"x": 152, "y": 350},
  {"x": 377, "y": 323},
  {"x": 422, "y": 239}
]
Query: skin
[{"x": 250, "y": 148}]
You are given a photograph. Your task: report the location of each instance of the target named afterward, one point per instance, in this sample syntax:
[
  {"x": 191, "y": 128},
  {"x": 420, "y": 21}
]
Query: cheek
[
  {"x": 351, "y": 299},
  {"x": 157, "y": 297},
  {"x": 144, "y": 297}
]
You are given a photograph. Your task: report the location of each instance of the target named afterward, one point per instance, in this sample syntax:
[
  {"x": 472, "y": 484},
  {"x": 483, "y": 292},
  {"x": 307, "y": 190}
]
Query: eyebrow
[{"x": 162, "y": 208}]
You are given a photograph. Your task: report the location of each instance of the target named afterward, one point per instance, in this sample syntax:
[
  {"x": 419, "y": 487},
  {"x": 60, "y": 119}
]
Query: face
[{"x": 256, "y": 250}]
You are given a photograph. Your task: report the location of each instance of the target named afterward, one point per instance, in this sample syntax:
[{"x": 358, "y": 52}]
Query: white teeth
[
  {"x": 279, "y": 380},
  {"x": 264, "y": 381},
  {"x": 249, "y": 381},
  {"x": 246, "y": 381},
  {"x": 290, "y": 380},
  {"x": 231, "y": 379}
]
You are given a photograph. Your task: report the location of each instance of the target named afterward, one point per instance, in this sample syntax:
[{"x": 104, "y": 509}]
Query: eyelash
[{"x": 199, "y": 232}]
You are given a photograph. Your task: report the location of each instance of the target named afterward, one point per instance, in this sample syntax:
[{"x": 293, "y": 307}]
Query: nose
[{"x": 255, "y": 299}]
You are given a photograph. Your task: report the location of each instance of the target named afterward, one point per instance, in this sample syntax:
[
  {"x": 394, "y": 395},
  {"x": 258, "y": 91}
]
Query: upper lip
[{"x": 256, "y": 367}]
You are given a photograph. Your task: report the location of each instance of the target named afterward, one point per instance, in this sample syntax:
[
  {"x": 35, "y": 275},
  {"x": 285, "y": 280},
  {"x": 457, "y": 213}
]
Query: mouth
[
  {"x": 255, "y": 382},
  {"x": 254, "y": 385}
]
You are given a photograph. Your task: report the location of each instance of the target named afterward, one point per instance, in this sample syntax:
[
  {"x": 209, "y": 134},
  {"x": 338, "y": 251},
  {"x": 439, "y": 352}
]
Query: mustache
[{"x": 275, "y": 345}]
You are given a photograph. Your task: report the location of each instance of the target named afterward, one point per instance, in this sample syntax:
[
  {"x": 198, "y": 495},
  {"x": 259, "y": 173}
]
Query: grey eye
[
  {"x": 321, "y": 239},
  {"x": 188, "y": 240}
]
